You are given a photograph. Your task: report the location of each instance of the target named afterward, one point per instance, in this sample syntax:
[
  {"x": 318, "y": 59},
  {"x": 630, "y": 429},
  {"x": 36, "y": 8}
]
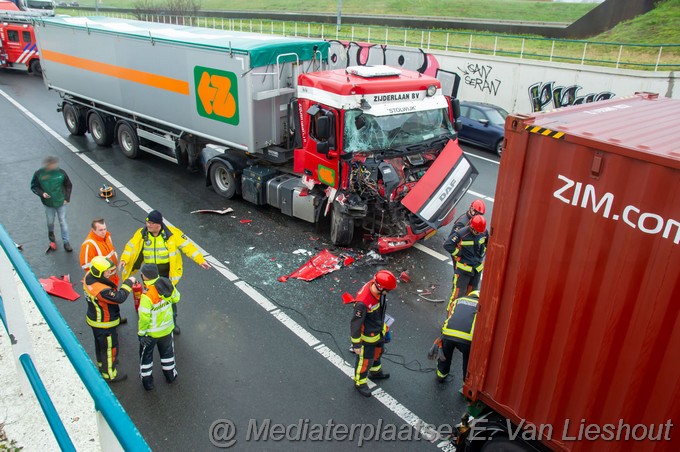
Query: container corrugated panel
[{"x": 579, "y": 314}]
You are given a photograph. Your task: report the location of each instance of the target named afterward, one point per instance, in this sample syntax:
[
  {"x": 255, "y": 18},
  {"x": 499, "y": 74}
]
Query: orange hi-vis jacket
[{"x": 96, "y": 246}]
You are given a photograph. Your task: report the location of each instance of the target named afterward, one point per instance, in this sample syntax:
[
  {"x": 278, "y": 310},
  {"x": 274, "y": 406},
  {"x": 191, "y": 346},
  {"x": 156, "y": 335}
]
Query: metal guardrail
[
  {"x": 106, "y": 403},
  {"x": 599, "y": 53}
]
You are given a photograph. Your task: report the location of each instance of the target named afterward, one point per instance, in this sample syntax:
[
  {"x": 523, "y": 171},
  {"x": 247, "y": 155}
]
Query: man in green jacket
[
  {"x": 156, "y": 323},
  {"x": 53, "y": 186}
]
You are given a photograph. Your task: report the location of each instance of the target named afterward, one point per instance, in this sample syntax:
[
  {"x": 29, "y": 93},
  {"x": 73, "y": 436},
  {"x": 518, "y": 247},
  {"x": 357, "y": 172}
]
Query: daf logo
[{"x": 447, "y": 190}]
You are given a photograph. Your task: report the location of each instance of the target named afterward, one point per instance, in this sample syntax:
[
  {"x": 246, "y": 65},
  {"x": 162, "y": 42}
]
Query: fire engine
[{"x": 18, "y": 46}]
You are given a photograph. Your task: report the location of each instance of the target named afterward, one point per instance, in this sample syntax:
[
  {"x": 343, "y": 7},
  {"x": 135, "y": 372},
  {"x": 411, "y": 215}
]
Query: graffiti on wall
[
  {"x": 548, "y": 95},
  {"x": 478, "y": 76},
  {"x": 346, "y": 53}
]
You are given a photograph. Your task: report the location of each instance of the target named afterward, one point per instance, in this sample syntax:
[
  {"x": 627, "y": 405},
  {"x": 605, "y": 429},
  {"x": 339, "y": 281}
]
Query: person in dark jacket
[
  {"x": 476, "y": 208},
  {"x": 467, "y": 247},
  {"x": 457, "y": 333},
  {"x": 53, "y": 186},
  {"x": 103, "y": 314}
]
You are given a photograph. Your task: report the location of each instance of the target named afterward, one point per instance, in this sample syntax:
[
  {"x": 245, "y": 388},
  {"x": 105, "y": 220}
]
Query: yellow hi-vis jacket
[{"x": 175, "y": 241}]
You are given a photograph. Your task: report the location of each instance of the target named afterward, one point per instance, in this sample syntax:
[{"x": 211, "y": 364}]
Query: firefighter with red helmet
[
  {"x": 477, "y": 207},
  {"x": 368, "y": 329},
  {"x": 467, "y": 247}
]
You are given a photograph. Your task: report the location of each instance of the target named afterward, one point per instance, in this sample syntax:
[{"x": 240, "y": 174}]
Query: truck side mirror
[
  {"x": 455, "y": 105},
  {"x": 323, "y": 128}
]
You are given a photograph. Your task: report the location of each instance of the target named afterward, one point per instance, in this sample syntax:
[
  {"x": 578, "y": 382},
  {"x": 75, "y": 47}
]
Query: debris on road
[
  {"x": 224, "y": 211},
  {"x": 246, "y": 221},
  {"x": 59, "y": 287},
  {"x": 302, "y": 252},
  {"x": 322, "y": 264},
  {"x": 405, "y": 277}
]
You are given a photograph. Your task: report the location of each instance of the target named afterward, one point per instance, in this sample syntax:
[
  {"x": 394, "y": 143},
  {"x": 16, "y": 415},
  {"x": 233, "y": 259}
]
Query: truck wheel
[
  {"x": 75, "y": 123},
  {"x": 35, "y": 68},
  {"x": 222, "y": 179},
  {"x": 128, "y": 140},
  {"x": 100, "y": 129},
  {"x": 342, "y": 227}
]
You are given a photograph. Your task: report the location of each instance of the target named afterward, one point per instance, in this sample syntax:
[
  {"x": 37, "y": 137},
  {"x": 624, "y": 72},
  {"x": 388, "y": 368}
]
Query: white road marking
[
  {"x": 482, "y": 158},
  {"x": 383, "y": 397},
  {"x": 479, "y": 195},
  {"x": 256, "y": 296},
  {"x": 430, "y": 251},
  {"x": 296, "y": 328}
]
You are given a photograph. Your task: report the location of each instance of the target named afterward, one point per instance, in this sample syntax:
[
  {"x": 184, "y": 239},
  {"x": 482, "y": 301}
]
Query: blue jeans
[{"x": 60, "y": 212}]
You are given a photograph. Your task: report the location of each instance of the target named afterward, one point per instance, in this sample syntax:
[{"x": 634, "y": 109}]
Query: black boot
[
  {"x": 50, "y": 236},
  {"x": 67, "y": 247},
  {"x": 363, "y": 390},
  {"x": 120, "y": 376},
  {"x": 379, "y": 375},
  {"x": 170, "y": 376},
  {"x": 147, "y": 382}
]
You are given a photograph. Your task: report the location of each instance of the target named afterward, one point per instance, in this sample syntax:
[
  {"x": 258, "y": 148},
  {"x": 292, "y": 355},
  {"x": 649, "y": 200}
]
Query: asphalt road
[{"x": 235, "y": 359}]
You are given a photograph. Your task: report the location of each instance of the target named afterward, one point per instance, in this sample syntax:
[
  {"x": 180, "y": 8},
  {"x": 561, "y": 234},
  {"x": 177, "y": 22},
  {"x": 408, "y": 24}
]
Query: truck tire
[
  {"x": 223, "y": 179},
  {"x": 34, "y": 67},
  {"x": 100, "y": 129},
  {"x": 128, "y": 141},
  {"x": 342, "y": 227},
  {"x": 73, "y": 117}
]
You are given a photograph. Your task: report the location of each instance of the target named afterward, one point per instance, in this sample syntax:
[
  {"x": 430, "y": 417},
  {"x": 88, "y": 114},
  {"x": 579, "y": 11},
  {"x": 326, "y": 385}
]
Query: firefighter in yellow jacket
[{"x": 160, "y": 244}]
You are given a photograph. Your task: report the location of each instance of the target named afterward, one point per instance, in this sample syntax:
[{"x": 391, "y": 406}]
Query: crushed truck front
[{"x": 391, "y": 156}]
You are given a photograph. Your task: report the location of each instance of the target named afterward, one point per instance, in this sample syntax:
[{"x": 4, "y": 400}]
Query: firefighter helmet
[
  {"x": 478, "y": 223},
  {"x": 474, "y": 294},
  {"x": 478, "y": 206},
  {"x": 99, "y": 265},
  {"x": 385, "y": 279}
]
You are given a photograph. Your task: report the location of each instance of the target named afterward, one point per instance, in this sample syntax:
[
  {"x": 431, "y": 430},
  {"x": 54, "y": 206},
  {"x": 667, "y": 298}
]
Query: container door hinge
[{"x": 596, "y": 167}]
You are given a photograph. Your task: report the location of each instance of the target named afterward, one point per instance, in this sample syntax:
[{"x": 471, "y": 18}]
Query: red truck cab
[{"x": 382, "y": 139}]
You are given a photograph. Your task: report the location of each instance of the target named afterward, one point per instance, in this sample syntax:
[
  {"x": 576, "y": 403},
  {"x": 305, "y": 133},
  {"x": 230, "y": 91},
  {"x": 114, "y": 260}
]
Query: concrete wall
[
  {"x": 516, "y": 85},
  {"x": 529, "y": 85}
]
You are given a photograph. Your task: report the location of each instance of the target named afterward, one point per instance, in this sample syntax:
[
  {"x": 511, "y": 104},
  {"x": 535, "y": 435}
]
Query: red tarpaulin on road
[{"x": 59, "y": 287}]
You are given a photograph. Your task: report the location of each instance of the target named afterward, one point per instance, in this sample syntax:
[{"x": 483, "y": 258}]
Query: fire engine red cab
[{"x": 17, "y": 40}]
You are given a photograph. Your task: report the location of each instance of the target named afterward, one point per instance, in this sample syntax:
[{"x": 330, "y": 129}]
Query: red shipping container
[{"x": 579, "y": 317}]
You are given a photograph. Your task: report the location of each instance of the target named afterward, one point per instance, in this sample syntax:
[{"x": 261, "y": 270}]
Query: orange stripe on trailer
[{"x": 132, "y": 75}]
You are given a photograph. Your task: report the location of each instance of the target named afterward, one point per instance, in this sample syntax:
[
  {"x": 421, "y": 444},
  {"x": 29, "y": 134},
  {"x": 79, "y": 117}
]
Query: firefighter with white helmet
[
  {"x": 368, "y": 329},
  {"x": 103, "y": 314}
]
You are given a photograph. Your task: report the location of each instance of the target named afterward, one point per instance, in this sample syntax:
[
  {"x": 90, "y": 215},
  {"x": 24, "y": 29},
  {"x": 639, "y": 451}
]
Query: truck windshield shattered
[{"x": 365, "y": 132}]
